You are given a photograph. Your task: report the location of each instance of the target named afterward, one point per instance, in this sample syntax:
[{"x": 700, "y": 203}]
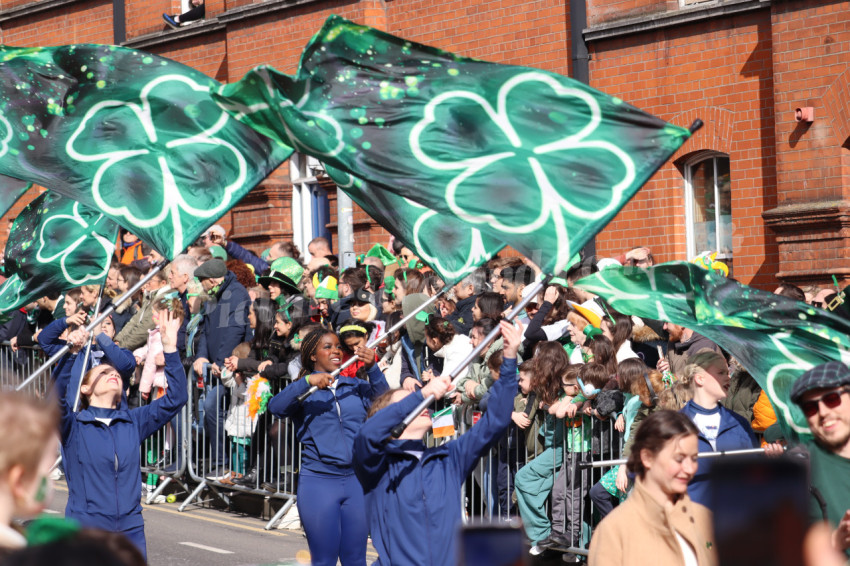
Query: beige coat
[{"x": 642, "y": 531}]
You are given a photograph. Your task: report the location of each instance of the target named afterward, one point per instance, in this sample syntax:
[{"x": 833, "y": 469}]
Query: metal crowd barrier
[
  {"x": 490, "y": 492},
  {"x": 197, "y": 442},
  {"x": 16, "y": 365},
  {"x": 199, "y": 445}
]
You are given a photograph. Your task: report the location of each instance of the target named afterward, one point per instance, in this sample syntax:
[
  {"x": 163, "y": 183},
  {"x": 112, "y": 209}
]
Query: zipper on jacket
[
  {"x": 115, "y": 452},
  {"x": 425, "y": 506}
]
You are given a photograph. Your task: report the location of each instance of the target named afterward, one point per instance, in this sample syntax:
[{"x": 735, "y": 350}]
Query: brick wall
[
  {"x": 742, "y": 74},
  {"x": 721, "y": 73}
]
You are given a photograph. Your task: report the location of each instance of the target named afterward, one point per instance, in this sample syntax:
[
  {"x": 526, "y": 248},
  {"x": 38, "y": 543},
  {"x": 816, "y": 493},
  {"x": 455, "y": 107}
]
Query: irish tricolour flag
[{"x": 443, "y": 423}]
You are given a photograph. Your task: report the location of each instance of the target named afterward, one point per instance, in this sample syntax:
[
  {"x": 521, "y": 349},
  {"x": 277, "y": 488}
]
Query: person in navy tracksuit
[
  {"x": 100, "y": 443},
  {"x": 330, "y": 499},
  {"x": 413, "y": 498}
]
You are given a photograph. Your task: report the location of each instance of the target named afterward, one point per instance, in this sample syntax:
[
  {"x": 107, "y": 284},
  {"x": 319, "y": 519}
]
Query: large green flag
[
  {"x": 55, "y": 244},
  {"x": 452, "y": 248},
  {"x": 537, "y": 160},
  {"x": 774, "y": 337},
  {"x": 11, "y": 190},
  {"x": 128, "y": 133}
]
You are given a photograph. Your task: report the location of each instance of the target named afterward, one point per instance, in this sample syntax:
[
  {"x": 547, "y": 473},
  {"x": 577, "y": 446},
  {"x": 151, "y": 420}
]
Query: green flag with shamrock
[
  {"x": 128, "y": 133},
  {"x": 776, "y": 338},
  {"x": 452, "y": 248},
  {"x": 55, "y": 244},
  {"x": 535, "y": 159}
]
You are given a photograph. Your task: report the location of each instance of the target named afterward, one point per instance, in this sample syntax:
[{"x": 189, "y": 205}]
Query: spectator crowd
[{"x": 572, "y": 380}]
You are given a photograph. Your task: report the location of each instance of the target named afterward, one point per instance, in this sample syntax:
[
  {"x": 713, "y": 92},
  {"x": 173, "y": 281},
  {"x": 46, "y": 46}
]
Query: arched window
[{"x": 708, "y": 205}]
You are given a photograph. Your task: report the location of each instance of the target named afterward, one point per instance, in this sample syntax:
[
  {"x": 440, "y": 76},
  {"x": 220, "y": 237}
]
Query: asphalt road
[{"x": 212, "y": 538}]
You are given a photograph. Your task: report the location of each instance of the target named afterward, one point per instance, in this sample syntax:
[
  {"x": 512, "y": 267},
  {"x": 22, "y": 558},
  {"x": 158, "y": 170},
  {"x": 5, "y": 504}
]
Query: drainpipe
[
  {"x": 345, "y": 230},
  {"x": 119, "y": 27},
  {"x": 581, "y": 66}
]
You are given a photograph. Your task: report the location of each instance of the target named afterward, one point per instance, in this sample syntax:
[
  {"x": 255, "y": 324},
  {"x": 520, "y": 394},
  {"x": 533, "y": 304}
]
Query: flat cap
[
  {"x": 825, "y": 376},
  {"x": 211, "y": 268}
]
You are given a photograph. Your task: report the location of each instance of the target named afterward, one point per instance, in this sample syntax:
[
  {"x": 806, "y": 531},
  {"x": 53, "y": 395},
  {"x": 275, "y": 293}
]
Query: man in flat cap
[
  {"x": 225, "y": 325},
  {"x": 823, "y": 394}
]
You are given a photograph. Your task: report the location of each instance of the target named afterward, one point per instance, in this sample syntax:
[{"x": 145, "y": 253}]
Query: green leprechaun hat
[{"x": 285, "y": 271}]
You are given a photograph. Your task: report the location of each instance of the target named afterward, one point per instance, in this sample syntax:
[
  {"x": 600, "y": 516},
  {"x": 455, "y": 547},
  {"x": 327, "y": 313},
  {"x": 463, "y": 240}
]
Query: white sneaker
[{"x": 56, "y": 474}]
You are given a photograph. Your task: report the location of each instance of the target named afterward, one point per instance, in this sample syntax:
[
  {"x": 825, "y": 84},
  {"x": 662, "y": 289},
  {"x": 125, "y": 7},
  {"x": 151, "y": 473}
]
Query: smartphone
[
  {"x": 760, "y": 510},
  {"x": 492, "y": 544}
]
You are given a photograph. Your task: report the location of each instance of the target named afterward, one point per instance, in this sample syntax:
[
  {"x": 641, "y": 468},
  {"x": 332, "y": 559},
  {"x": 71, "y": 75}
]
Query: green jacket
[{"x": 135, "y": 332}]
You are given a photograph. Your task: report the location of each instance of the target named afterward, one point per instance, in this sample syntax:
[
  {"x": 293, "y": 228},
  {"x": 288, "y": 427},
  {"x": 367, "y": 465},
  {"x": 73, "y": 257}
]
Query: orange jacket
[{"x": 763, "y": 414}]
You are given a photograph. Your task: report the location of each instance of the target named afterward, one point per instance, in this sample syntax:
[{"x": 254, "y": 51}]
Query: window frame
[
  {"x": 690, "y": 235},
  {"x": 303, "y": 170}
]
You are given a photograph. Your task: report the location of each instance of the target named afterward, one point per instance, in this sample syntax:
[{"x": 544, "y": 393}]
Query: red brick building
[{"x": 767, "y": 191}]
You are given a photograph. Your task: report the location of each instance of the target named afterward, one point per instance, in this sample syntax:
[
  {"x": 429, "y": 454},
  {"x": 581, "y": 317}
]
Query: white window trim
[
  {"x": 302, "y": 172},
  {"x": 700, "y": 157}
]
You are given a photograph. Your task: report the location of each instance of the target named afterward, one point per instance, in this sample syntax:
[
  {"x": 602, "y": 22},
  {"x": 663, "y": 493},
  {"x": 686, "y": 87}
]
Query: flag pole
[
  {"x": 88, "y": 343},
  {"x": 157, "y": 267},
  {"x": 538, "y": 286},
  {"x": 379, "y": 339},
  {"x": 718, "y": 454}
]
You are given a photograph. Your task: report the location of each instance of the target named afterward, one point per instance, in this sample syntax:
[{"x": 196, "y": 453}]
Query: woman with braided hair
[{"x": 330, "y": 499}]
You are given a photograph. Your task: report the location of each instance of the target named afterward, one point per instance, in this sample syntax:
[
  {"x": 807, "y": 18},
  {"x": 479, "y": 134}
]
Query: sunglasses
[{"x": 831, "y": 400}]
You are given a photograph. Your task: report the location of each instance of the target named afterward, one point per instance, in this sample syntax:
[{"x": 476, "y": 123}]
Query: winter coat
[
  {"x": 479, "y": 372},
  {"x": 743, "y": 394},
  {"x": 461, "y": 318},
  {"x": 327, "y": 421},
  {"x": 135, "y": 332},
  {"x": 413, "y": 505},
  {"x": 102, "y": 460},
  {"x": 454, "y": 353},
  {"x": 123, "y": 314},
  {"x": 225, "y": 323},
  {"x": 763, "y": 414},
  {"x": 152, "y": 374},
  {"x": 643, "y": 531},
  {"x": 734, "y": 433}
]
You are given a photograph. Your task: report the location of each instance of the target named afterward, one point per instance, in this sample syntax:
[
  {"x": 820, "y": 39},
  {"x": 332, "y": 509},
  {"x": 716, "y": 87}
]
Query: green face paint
[{"x": 43, "y": 490}]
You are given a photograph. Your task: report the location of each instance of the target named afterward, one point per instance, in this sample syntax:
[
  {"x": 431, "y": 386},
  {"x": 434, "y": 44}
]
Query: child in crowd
[
  {"x": 636, "y": 381},
  {"x": 238, "y": 425},
  {"x": 472, "y": 388},
  {"x": 534, "y": 480},
  {"x": 451, "y": 347},
  {"x": 28, "y": 448}
]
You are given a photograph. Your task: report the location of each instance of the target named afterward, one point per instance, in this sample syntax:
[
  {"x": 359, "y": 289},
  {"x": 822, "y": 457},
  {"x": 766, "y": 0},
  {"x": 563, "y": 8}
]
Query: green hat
[
  {"x": 381, "y": 253},
  {"x": 285, "y": 271},
  {"x": 218, "y": 251},
  {"x": 389, "y": 285},
  {"x": 327, "y": 289}
]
